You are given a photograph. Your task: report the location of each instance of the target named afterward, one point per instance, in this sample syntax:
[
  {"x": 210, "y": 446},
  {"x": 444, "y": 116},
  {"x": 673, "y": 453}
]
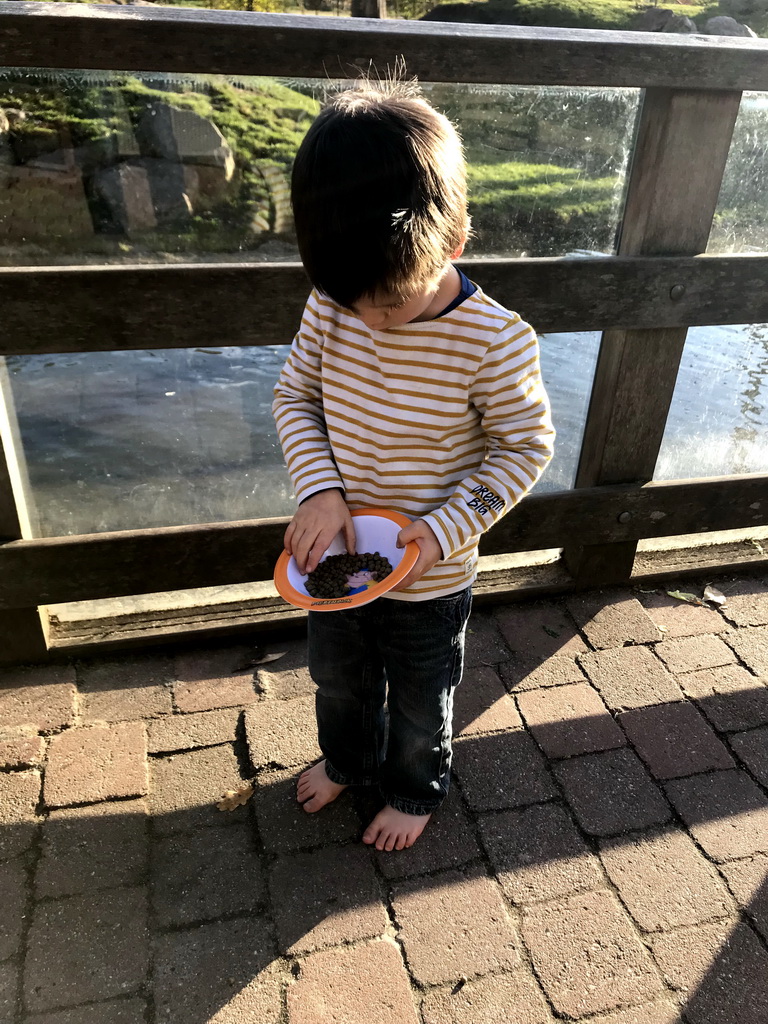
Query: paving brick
[
  {"x": 352, "y": 983},
  {"x": 214, "y": 678},
  {"x": 8, "y": 988},
  {"x": 500, "y": 999},
  {"x": 536, "y": 632},
  {"x": 674, "y": 740},
  {"x": 185, "y": 788},
  {"x": 731, "y": 698},
  {"x": 568, "y": 720},
  {"x": 13, "y": 900},
  {"x": 186, "y": 732},
  {"x": 676, "y": 618},
  {"x": 454, "y": 924},
  {"x": 748, "y": 881},
  {"x": 751, "y": 645},
  {"x": 612, "y": 618},
  {"x": 287, "y": 677},
  {"x": 96, "y": 763},
  {"x": 125, "y": 689},
  {"x": 98, "y": 846},
  {"x": 85, "y": 948},
  {"x": 219, "y": 973},
  {"x": 752, "y": 749},
  {"x": 119, "y": 1011},
  {"x": 687, "y": 955},
  {"x": 284, "y": 825},
  {"x": 21, "y": 748},
  {"x": 611, "y": 793},
  {"x": 481, "y": 704},
  {"x": 484, "y": 644},
  {"x": 537, "y": 853},
  {"x": 448, "y": 841},
  {"x": 19, "y": 796},
  {"x": 501, "y": 770},
  {"x": 325, "y": 898},
  {"x": 283, "y": 733},
  {"x": 519, "y": 675},
  {"x": 660, "y": 1011},
  {"x": 663, "y": 879},
  {"x": 199, "y": 876},
  {"x": 587, "y": 955},
  {"x": 42, "y": 696},
  {"x": 747, "y": 603},
  {"x": 722, "y": 970},
  {"x": 726, "y": 812},
  {"x": 630, "y": 677},
  {"x": 693, "y": 653}
]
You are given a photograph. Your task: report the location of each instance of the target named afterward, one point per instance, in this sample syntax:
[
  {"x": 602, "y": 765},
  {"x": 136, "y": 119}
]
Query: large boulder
[
  {"x": 42, "y": 205},
  {"x": 170, "y": 133},
  {"x": 724, "y": 26},
  {"x": 124, "y": 190},
  {"x": 661, "y": 19}
]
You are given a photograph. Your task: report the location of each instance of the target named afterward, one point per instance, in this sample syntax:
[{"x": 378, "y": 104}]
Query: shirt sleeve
[
  {"x": 509, "y": 395},
  {"x": 299, "y": 415}
]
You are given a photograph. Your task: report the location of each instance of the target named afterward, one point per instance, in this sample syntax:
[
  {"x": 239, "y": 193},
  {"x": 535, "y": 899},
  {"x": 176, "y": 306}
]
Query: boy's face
[{"x": 383, "y": 312}]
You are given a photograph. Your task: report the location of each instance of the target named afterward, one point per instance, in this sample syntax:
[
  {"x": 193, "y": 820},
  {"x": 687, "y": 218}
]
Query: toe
[{"x": 311, "y": 805}]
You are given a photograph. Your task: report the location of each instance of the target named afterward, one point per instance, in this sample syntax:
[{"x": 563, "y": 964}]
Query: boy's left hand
[{"x": 430, "y": 551}]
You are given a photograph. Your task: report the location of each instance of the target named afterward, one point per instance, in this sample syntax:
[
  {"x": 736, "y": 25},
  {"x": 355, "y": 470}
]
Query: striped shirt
[{"x": 445, "y": 420}]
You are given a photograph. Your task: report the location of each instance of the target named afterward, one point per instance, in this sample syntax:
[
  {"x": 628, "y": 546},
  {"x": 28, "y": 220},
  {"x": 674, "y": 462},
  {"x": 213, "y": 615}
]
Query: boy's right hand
[{"x": 316, "y": 523}]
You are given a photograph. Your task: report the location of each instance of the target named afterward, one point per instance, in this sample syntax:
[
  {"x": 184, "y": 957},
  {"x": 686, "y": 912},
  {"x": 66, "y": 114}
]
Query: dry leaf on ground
[
  {"x": 690, "y": 598},
  {"x": 235, "y": 797}
]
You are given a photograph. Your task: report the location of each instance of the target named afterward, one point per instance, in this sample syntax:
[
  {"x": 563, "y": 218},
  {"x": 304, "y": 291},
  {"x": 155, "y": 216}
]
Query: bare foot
[
  {"x": 315, "y": 789},
  {"x": 394, "y": 830}
]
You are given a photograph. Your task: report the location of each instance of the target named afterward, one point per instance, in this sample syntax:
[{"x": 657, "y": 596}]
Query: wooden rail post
[
  {"x": 679, "y": 158},
  {"x": 22, "y": 636}
]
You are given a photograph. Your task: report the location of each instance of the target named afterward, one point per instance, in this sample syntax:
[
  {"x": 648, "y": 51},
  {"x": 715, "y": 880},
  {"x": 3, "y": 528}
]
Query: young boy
[{"x": 409, "y": 389}]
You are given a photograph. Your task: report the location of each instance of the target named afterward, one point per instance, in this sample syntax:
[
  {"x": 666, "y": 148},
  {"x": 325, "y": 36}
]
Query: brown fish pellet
[{"x": 329, "y": 579}]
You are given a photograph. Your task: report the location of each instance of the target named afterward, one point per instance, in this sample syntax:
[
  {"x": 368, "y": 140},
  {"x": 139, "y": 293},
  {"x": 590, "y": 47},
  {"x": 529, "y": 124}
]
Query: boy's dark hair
[{"x": 379, "y": 194}]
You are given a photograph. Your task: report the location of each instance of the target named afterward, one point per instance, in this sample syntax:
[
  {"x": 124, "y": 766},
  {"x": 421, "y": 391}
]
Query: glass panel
[
  {"x": 741, "y": 218},
  {"x": 546, "y": 164},
  {"x": 568, "y": 367},
  {"x": 108, "y": 167},
  {"x": 718, "y": 421},
  {"x": 128, "y": 440}
]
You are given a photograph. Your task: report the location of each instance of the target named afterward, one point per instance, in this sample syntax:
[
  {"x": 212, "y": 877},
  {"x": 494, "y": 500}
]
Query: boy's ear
[{"x": 459, "y": 249}]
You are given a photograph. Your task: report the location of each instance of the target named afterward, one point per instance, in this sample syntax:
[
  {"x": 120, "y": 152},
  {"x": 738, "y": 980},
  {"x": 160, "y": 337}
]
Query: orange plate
[{"x": 376, "y": 529}]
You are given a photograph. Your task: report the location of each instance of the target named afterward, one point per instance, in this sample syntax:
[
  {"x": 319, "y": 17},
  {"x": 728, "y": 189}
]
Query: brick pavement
[{"x": 602, "y": 857}]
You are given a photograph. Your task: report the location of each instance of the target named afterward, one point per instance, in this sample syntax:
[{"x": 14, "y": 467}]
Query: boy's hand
[
  {"x": 316, "y": 523},
  {"x": 430, "y": 551}
]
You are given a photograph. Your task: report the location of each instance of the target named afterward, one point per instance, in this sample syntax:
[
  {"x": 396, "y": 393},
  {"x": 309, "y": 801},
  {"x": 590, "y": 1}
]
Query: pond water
[{"x": 126, "y": 440}]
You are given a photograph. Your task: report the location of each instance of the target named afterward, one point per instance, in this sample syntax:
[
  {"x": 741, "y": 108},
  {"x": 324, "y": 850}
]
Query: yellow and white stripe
[{"x": 445, "y": 420}]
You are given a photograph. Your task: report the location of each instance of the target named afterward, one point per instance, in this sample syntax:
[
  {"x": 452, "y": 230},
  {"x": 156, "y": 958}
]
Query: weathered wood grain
[
  {"x": 73, "y": 309},
  {"x": 54, "y": 35},
  {"x": 59, "y": 569}
]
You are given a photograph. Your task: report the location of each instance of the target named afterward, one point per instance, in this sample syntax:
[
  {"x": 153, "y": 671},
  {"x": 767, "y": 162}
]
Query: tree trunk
[{"x": 369, "y": 8}]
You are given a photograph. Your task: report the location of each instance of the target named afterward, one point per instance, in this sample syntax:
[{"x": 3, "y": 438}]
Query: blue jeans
[{"x": 409, "y": 654}]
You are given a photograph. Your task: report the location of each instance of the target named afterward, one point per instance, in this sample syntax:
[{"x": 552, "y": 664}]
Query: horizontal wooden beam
[
  {"x": 73, "y": 309},
  {"x": 58, "y": 569},
  {"x": 175, "y": 39}
]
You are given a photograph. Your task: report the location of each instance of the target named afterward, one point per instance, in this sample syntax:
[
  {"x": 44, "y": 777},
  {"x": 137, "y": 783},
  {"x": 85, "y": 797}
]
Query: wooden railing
[{"x": 644, "y": 299}]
